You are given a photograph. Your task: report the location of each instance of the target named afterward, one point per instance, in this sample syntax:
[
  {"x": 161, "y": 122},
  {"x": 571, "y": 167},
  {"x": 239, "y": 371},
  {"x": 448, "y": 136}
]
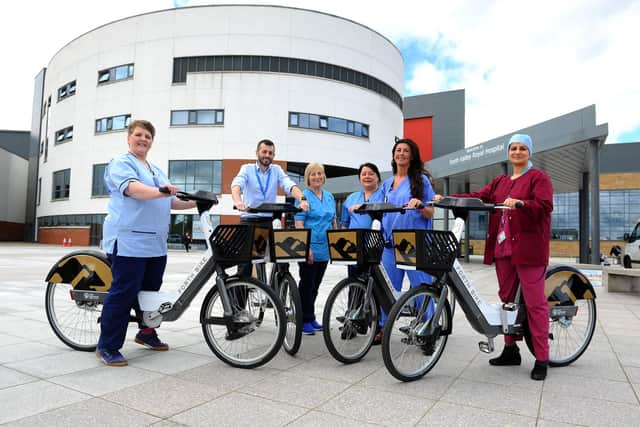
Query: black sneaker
[
  {"x": 510, "y": 356},
  {"x": 539, "y": 371}
]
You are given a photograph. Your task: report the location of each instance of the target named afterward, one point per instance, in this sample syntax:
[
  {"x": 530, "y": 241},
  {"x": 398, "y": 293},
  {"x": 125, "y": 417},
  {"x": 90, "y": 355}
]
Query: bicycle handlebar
[
  {"x": 274, "y": 208},
  {"x": 470, "y": 204}
]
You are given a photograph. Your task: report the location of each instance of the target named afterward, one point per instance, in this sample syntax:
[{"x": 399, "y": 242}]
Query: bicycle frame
[{"x": 169, "y": 306}]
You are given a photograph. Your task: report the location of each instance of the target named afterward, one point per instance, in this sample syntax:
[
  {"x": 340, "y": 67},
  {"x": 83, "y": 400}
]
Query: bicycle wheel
[
  {"x": 411, "y": 345},
  {"x": 570, "y": 330},
  {"x": 76, "y": 323},
  {"x": 289, "y": 294},
  {"x": 253, "y": 334},
  {"x": 349, "y": 321}
]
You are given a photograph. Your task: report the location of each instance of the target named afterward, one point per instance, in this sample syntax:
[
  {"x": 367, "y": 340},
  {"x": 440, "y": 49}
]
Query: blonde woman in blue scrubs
[{"x": 320, "y": 218}]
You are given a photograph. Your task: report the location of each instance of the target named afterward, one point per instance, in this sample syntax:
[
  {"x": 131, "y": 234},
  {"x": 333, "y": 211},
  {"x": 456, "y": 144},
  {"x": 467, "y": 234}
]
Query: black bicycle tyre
[
  {"x": 395, "y": 314},
  {"x": 327, "y": 323},
  {"x": 85, "y": 319},
  {"x": 290, "y": 296},
  {"x": 586, "y": 340},
  {"x": 277, "y": 308}
]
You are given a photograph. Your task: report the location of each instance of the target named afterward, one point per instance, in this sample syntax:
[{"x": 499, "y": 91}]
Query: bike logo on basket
[
  {"x": 346, "y": 248},
  {"x": 407, "y": 250},
  {"x": 292, "y": 247}
]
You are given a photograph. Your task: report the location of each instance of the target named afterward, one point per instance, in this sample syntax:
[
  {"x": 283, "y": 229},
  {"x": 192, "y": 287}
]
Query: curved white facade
[{"x": 256, "y": 103}]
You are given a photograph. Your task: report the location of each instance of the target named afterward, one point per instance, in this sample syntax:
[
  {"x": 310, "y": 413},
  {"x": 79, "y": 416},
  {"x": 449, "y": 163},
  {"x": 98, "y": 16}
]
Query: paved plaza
[{"x": 43, "y": 382}]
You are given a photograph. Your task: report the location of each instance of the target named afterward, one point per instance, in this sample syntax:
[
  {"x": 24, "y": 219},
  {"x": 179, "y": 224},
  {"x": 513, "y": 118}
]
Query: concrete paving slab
[
  {"x": 92, "y": 412},
  {"x": 323, "y": 419},
  {"x": 170, "y": 362},
  {"x": 224, "y": 377},
  {"x": 55, "y": 365},
  {"x": 226, "y": 411},
  {"x": 494, "y": 397},
  {"x": 11, "y": 377},
  {"x": 295, "y": 389},
  {"x": 563, "y": 382},
  {"x": 33, "y": 398},
  {"x": 164, "y": 397},
  {"x": 380, "y": 407},
  {"x": 101, "y": 380},
  {"x": 447, "y": 414},
  {"x": 588, "y": 411}
]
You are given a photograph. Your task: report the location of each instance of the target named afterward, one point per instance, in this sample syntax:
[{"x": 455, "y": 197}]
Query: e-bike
[
  {"x": 412, "y": 344},
  {"x": 243, "y": 320}
]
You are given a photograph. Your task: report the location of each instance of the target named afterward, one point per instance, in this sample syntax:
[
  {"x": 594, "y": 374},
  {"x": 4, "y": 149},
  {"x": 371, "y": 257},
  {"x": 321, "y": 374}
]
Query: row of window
[
  {"x": 188, "y": 175},
  {"x": 277, "y": 64},
  {"x": 331, "y": 124},
  {"x": 216, "y": 117},
  {"x": 121, "y": 72}
]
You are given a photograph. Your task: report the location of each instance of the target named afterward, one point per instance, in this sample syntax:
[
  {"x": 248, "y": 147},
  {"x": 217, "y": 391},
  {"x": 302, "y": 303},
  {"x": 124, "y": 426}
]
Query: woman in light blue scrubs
[
  {"x": 409, "y": 186},
  {"x": 135, "y": 237},
  {"x": 320, "y": 218}
]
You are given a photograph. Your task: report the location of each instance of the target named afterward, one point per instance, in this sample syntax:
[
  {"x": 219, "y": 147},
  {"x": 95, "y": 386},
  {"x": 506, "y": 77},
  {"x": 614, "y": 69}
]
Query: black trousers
[
  {"x": 310, "y": 278},
  {"x": 245, "y": 270}
]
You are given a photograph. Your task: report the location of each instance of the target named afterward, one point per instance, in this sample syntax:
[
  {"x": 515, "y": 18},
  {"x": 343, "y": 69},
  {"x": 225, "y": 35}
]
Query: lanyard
[{"x": 263, "y": 189}]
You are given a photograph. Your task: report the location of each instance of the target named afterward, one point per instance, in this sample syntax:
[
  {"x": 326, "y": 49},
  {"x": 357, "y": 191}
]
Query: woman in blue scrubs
[
  {"x": 135, "y": 237},
  {"x": 371, "y": 192},
  {"x": 320, "y": 218},
  {"x": 409, "y": 186}
]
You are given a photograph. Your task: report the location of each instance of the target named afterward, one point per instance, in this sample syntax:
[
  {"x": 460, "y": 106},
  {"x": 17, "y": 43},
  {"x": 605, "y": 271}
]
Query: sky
[{"x": 520, "y": 62}]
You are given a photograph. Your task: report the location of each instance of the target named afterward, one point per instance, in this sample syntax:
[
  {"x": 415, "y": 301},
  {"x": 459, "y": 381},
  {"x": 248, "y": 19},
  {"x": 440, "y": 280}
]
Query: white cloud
[{"x": 541, "y": 59}]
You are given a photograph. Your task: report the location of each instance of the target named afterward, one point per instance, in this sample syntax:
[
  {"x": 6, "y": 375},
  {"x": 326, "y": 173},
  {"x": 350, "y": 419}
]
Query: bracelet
[{"x": 303, "y": 199}]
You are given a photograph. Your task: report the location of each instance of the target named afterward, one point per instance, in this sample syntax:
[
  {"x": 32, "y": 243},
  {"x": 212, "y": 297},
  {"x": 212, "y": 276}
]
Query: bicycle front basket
[
  {"x": 239, "y": 243},
  {"x": 360, "y": 246},
  {"x": 432, "y": 251}
]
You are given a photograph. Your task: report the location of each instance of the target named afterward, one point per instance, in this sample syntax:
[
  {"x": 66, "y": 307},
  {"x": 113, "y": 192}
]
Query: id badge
[{"x": 501, "y": 237}]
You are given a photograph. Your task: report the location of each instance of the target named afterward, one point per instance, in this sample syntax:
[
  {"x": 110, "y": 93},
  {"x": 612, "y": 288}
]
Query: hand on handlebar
[
  {"x": 513, "y": 203},
  {"x": 415, "y": 204},
  {"x": 437, "y": 197},
  {"x": 240, "y": 206},
  {"x": 168, "y": 190}
]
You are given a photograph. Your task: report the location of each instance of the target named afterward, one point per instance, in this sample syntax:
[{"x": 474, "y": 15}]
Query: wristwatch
[{"x": 302, "y": 199}]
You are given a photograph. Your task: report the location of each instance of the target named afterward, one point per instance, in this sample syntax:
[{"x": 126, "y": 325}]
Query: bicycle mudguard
[
  {"x": 85, "y": 270},
  {"x": 564, "y": 285}
]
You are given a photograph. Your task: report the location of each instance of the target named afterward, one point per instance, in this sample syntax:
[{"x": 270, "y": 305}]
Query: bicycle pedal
[{"x": 486, "y": 346}]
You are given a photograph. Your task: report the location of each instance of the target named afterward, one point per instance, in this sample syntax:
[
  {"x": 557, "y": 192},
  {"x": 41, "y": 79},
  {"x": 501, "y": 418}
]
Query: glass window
[
  {"x": 293, "y": 119},
  {"x": 179, "y": 118},
  {"x": 206, "y": 117},
  {"x": 39, "y": 192},
  {"x": 197, "y": 117},
  {"x": 114, "y": 123},
  {"x": 314, "y": 121},
  {"x": 120, "y": 72},
  {"x": 337, "y": 125},
  {"x": 304, "y": 120},
  {"x": 191, "y": 175},
  {"x": 119, "y": 122},
  {"x": 323, "y": 123},
  {"x": 98, "y": 187},
  {"x": 64, "y": 135},
  {"x": 61, "y": 184}
]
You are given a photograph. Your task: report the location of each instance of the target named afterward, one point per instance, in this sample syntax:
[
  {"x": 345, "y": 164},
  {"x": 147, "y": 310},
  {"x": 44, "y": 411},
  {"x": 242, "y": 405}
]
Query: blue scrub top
[
  {"x": 401, "y": 195},
  {"x": 319, "y": 219},
  {"x": 139, "y": 226},
  {"x": 355, "y": 220}
]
